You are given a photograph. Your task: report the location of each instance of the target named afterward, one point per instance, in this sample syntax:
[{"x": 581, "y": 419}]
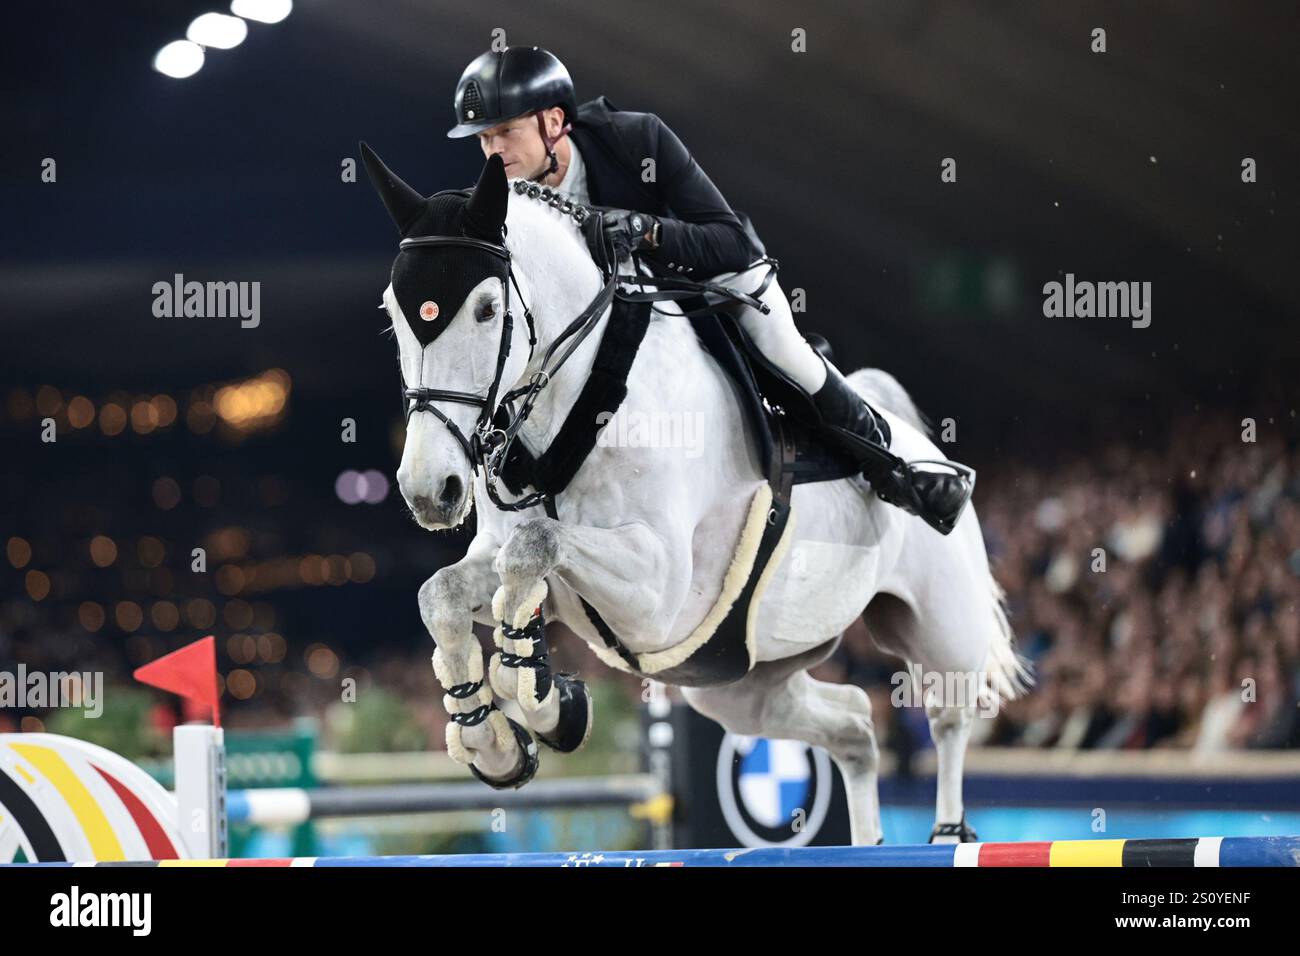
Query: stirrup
[{"x": 944, "y": 524}]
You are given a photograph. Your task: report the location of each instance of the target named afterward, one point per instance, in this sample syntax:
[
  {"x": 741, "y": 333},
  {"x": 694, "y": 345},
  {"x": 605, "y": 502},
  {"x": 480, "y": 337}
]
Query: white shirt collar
[{"x": 574, "y": 183}]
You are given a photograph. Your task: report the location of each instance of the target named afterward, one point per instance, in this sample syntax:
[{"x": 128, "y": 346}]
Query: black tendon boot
[
  {"x": 936, "y": 491},
  {"x": 574, "y": 727}
]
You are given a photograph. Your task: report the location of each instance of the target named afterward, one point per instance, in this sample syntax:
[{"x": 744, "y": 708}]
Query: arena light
[
  {"x": 263, "y": 11},
  {"x": 179, "y": 59},
  {"x": 217, "y": 31},
  {"x": 373, "y": 486},
  {"x": 347, "y": 487}
]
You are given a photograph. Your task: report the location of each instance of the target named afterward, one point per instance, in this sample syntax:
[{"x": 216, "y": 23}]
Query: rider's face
[{"x": 520, "y": 144}]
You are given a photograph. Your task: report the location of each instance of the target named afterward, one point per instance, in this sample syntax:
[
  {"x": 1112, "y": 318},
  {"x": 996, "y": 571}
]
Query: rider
[{"x": 520, "y": 103}]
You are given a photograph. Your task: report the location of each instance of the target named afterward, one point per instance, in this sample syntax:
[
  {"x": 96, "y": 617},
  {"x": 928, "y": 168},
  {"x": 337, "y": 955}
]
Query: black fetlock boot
[{"x": 935, "y": 491}]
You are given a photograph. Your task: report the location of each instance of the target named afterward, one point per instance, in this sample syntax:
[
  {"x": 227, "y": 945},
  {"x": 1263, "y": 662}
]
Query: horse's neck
[
  {"x": 670, "y": 363},
  {"x": 557, "y": 399},
  {"x": 672, "y": 370}
]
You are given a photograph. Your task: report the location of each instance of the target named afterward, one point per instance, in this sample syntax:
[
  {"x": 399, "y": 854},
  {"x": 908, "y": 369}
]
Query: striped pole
[
  {"x": 1202, "y": 852},
  {"x": 65, "y": 799},
  {"x": 290, "y": 805}
]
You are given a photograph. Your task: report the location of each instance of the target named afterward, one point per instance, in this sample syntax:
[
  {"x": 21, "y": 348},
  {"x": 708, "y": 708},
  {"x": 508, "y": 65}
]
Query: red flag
[{"x": 190, "y": 672}]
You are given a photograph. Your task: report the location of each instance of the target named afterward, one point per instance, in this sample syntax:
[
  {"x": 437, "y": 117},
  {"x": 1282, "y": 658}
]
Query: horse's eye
[{"x": 486, "y": 312}]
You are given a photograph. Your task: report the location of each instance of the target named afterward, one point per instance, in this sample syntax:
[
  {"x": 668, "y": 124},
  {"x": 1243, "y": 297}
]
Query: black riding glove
[{"x": 628, "y": 231}]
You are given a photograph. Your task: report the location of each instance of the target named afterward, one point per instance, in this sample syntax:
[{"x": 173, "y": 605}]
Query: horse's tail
[
  {"x": 1009, "y": 674},
  {"x": 880, "y": 388}
]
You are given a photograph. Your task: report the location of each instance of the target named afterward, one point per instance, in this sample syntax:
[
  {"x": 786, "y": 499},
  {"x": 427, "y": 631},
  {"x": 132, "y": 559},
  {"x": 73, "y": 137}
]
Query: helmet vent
[{"x": 472, "y": 104}]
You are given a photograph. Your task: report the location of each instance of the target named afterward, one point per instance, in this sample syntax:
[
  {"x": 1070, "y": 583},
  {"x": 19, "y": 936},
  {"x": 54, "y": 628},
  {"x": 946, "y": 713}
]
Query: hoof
[
  {"x": 525, "y": 773},
  {"x": 574, "y": 726},
  {"x": 960, "y": 830}
]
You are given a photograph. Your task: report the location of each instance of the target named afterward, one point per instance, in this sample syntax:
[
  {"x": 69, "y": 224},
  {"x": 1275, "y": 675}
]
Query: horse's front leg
[
  {"x": 621, "y": 565},
  {"x": 497, "y": 750}
]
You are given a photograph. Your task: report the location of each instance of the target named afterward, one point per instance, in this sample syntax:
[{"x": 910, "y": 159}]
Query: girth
[{"x": 722, "y": 649}]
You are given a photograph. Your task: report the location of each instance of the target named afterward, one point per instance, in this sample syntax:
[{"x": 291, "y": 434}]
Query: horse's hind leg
[
  {"x": 794, "y": 706},
  {"x": 948, "y": 652},
  {"x": 950, "y": 728}
]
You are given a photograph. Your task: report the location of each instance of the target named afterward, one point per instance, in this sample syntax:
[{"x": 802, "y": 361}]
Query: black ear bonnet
[
  {"x": 451, "y": 242},
  {"x": 431, "y": 283}
]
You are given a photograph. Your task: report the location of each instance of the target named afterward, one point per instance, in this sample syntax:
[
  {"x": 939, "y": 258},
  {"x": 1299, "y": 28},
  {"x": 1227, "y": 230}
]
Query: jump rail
[
  {"x": 1202, "y": 852},
  {"x": 278, "y": 806},
  {"x": 63, "y": 799}
]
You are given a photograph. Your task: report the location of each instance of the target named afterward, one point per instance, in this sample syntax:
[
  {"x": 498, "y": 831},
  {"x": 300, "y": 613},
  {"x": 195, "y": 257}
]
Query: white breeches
[{"x": 775, "y": 333}]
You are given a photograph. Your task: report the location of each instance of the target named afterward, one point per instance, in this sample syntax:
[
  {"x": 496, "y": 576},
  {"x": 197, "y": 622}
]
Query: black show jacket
[{"x": 701, "y": 235}]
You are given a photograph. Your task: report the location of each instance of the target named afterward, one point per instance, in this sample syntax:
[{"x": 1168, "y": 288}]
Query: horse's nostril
[
  {"x": 451, "y": 491},
  {"x": 421, "y": 505}
]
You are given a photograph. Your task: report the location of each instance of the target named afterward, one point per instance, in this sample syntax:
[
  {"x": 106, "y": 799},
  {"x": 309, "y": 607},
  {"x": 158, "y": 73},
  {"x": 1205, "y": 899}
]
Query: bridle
[
  {"x": 491, "y": 441},
  {"x": 421, "y": 399},
  {"x": 495, "y": 429}
]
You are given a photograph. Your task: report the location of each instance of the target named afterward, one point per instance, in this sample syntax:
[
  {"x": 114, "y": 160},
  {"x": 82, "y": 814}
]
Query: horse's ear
[
  {"x": 485, "y": 213},
  {"x": 403, "y": 203}
]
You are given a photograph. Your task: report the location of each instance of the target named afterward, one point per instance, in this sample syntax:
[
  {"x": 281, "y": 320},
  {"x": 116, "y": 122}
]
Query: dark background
[{"x": 835, "y": 153}]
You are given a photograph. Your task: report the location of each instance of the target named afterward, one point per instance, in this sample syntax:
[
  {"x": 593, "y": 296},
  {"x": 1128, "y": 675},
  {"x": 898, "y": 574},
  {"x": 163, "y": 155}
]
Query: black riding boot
[{"x": 936, "y": 491}]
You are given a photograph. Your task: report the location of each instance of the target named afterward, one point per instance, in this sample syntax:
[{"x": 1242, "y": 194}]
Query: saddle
[{"x": 778, "y": 410}]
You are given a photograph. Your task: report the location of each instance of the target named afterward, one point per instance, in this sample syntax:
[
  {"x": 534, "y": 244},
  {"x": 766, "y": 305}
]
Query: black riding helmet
[
  {"x": 500, "y": 86},
  {"x": 514, "y": 82}
]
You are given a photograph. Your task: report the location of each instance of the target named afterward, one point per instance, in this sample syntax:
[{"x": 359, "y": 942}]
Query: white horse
[{"x": 651, "y": 538}]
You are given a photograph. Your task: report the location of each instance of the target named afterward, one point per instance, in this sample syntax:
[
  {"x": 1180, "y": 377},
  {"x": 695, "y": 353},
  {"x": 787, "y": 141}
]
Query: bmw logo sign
[{"x": 773, "y": 792}]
